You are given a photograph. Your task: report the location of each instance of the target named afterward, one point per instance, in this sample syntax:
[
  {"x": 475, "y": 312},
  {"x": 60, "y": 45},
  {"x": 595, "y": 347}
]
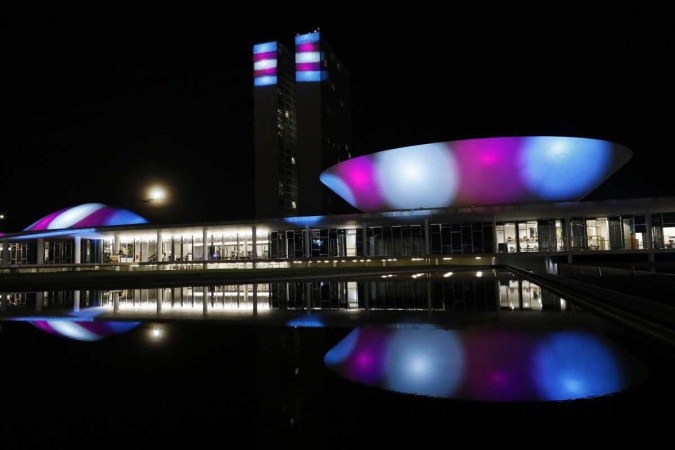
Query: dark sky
[{"x": 99, "y": 103}]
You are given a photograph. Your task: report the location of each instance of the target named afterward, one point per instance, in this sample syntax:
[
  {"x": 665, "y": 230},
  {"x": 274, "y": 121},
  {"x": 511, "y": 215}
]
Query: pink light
[
  {"x": 489, "y": 170},
  {"x": 360, "y": 173},
  {"x": 263, "y": 72},
  {"x": 264, "y": 56},
  {"x": 307, "y": 47},
  {"x": 304, "y": 67},
  {"x": 43, "y": 223}
]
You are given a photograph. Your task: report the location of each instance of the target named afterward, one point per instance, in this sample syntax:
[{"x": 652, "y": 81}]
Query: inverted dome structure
[
  {"x": 86, "y": 215},
  {"x": 84, "y": 330},
  {"x": 475, "y": 172}
]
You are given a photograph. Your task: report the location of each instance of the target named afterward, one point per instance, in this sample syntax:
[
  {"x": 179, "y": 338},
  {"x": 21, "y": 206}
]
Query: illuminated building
[
  {"x": 498, "y": 197},
  {"x": 275, "y": 131},
  {"x": 302, "y": 125},
  {"x": 324, "y": 121}
]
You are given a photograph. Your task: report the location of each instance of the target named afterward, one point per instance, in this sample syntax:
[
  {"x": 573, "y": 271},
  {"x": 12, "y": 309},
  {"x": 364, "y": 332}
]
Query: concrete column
[
  {"x": 39, "y": 298},
  {"x": 159, "y": 295},
  {"x": 650, "y": 244},
  {"x": 40, "y": 251},
  {"x": 255, "y": 299},
  {"x": 205, "y": 249},
  {"x": 77, "y": 248},
  {"x": 116, "y": 244},
  {"x": 5, "y": 253},
  {"x": 566, "y": 233},
  {"x": 308, "y": 242},
  {"x": 567, "y": 236},
  {"x": 365, "y": 240},
  {"x": 649, "y": 240},
  {"x": 159, "y": 252},
  {"x": 205, "y": 303},
  {"x": 116, "y": 301},
  {"x": 427, "y": 243},
  {"x": 76, "y": 301},
  {"x": 495, "y": 245},
  {"x": 254, "y": 242}
]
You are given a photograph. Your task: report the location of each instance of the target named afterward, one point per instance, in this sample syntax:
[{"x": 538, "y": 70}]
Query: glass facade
[{"x": 574, "y": 233}]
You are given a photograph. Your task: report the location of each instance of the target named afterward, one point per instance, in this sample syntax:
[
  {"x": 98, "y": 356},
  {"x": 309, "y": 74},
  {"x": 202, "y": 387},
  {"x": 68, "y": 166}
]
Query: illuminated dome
[
  {"x": 474, "y": 172},
  {"x": 86, "y": 215}
]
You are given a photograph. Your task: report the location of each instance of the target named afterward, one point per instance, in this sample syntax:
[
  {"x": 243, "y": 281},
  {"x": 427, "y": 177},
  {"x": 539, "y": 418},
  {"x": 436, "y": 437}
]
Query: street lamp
[{"x": 155, "y": 194}]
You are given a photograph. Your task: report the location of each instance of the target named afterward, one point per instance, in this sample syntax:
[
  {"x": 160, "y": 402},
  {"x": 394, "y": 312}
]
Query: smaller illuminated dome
[{"x": 86, "y": 215}]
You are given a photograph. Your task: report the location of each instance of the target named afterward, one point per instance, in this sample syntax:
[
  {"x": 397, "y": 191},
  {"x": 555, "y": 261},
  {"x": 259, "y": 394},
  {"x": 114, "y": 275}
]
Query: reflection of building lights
[
  {"x": 479, "y": 274},
  {"x": 446, "y": 275},
  {"x": 156, "y": 333}
]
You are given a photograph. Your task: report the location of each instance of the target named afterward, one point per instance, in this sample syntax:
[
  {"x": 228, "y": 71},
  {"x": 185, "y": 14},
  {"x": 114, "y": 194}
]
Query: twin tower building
[{"x": 302, "y": 125}]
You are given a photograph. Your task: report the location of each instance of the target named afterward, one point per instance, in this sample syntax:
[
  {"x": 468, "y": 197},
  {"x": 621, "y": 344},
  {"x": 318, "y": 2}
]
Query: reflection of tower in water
[{"x": 288, "y": 381}]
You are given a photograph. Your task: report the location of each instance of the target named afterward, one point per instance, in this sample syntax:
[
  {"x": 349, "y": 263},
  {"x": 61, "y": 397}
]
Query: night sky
[{"x": 101, "y": 103}]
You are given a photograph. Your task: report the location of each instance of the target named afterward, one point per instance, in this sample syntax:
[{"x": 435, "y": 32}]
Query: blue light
[
  {"x": 421, "y": 176},
  {"x": 265, "y": 47},
  {"x": 342, "y": 349},
  {"x": 309, "y": 76},
  {"x": 124, "y": 217},
  {"x": 307, "y": 38},
  {"x": 54, "y": 233},
  {"x": 304, "y": 220},
  {"x": 306, "y": 321},
  {"x": 562, "y": 168},
  {"x": 338, "y": 186},
  {"x": 266, "y": 80},
  {"x": 425, "y": 362},
  {"x": 573, "y": 364}
]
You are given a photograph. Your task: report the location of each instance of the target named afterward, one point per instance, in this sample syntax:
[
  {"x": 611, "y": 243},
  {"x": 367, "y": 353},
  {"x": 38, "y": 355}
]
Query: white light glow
[
  {"x": 308, "y": 57},
  {"x": 74, "y": 215},
  {"x": 265, "y": 64}
]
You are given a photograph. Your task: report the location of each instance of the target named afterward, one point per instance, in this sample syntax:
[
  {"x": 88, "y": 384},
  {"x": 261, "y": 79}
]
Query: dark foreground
[{"x": 208, "y": 384}]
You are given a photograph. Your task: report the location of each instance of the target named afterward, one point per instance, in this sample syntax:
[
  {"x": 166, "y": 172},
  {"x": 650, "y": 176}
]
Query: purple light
[
  {"x": 484, "y": 364},
  {"x": 303, "y": 67},
  {"x": 263, "y": 72},
  {"x": 307, "y": 47},
  {"x": 96, "y": 218},
  {"x": 86, "y": 215},
  {"x": 308, "y": 59},
  {"x": 265, "y": 64},
  {"x": 366, "y": 362},
  {"x": 43, "y": 224},
  {"x": 500, "y": 366},
  {"x": 83, "y": 330},
  {"x": 257, "y": 57},
  {"x": 358, "y": 174},
  {"x": 475, "y": 172},
  {"x": 487, "y": 168}
]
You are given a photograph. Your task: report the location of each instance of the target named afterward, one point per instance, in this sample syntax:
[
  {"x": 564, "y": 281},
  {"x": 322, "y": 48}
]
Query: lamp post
[{"x": 155, "y": 194}]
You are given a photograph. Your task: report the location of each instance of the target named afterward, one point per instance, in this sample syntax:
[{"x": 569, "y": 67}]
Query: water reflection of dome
[
  {"x": 474, "y": 172},
  {"x": 82, "y": 330},
  {"x": 485, "y": 364}
]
